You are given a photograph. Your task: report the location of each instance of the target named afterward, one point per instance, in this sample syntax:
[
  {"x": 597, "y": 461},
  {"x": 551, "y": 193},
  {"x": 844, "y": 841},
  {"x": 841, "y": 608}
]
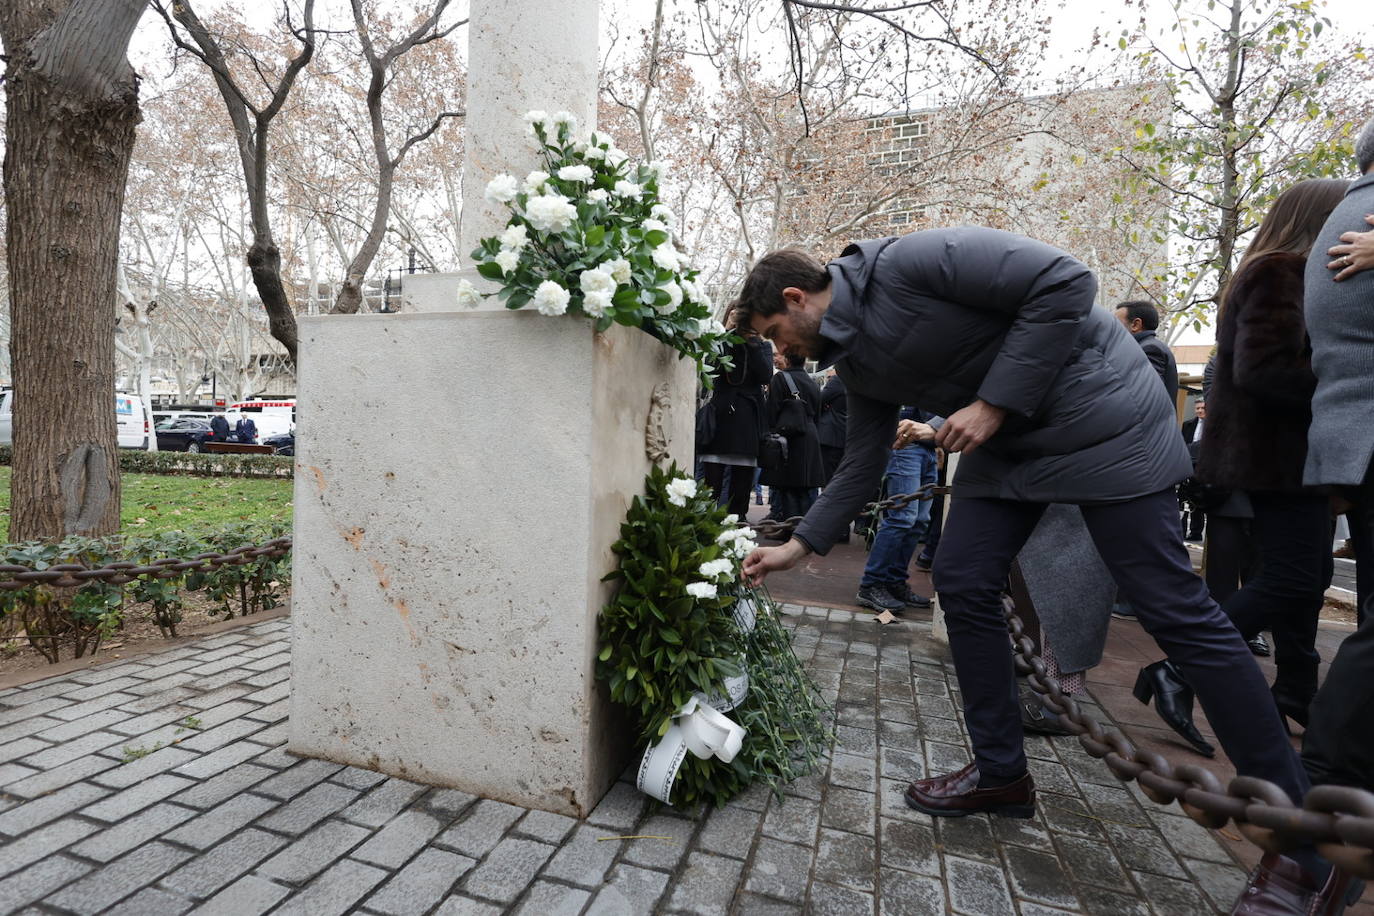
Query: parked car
[
  {"x": 185, "y": 435},
  {"x": 131, "y": 416},
  {"x": 164, "y": 418},
  {"x": 282, "y": 445}
]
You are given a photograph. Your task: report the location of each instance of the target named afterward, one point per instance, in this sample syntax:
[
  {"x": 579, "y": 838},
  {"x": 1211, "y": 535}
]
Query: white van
[
  {"x": 131, "y": 416},
  {"x": 272, "y": 418}
]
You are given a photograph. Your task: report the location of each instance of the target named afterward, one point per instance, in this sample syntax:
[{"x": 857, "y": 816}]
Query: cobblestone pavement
[{"x": 160, "y": 785}]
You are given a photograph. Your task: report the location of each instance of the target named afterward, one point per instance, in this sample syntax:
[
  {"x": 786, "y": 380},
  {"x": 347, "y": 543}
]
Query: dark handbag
[
  {"x": 772, "y": 452},
  {"x": 1203, "y": 496},
  {"x": 792, "y": 413},
  {"x": 706, "y": 421}
]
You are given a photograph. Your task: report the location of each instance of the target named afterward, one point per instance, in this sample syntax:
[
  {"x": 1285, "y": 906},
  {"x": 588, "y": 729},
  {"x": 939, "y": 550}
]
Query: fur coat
[{"x": 1255, "y": 436}]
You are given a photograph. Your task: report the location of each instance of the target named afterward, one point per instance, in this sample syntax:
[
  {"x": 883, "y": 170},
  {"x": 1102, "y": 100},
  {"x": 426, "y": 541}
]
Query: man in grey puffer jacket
[{"x": 1050, "y": 401}]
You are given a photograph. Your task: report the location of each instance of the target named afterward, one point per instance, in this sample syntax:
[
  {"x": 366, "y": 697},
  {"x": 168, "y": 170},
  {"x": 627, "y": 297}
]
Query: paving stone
[
  {"x": 248, "y": 896},
  {"x": 778, "y": 869},
  {"x": 795, "y": 820},
  {"x": 730, "y": 831},
  {"x": 310, "y": 854},
  {"x": 977, "y": 888},
  {"x": 849, "y": 809},
  {"x": 1221, "y": 883},
  {"x": 162, "y": 684},
  {"x": 754, "y": 905},
  {"x": 218, "y": 761},
  {"x": 1019, "y": 831},
  {"x": 619, "y": 809},
  {"x": 584, "y": 858},
  {"x": 1097, "y": 901},
  {"x": 72, "y": 712},
  {"x": 150, "y": 900},
  {"x": 335, "y": 891},
  {"x": 810, "y": 786},
  {"x": 157, "y": 711},
  {"x": 1189, "y": 838},
  {"x": 113, "y": 842},
  {"x": 399, "y": 840},
  {"x": 507, "y": 870},
  {"x": 118, "y": 880},
  {"x": 707, "y": 884},
  {"x": 66, "y": 731},
  {"x": 942, "y": 757},
  {"x": 209, "y": 739},
  {"x": 1054, "y": 777},
  {"x": 224, "y": 863},
  {"x": 421, "y": 884},
  {"x": 546, "y": 826},
  {"x": 1171, "y": 897},
  {"x": 968, "y": 837},
  {"x": 39, "y": 880},
  {"x": 40, "y": 844},
  {"x": 853, "y": 772},
  {"x": 222, "y": 820},
  {"x": 1145, "y": 850},
  {"x": 32, "y": 726},
  {"x": 1039, "y": 877},
  {"x": 1092, "y": 861},
  {"x": 216, "y": 697},
  {"x": 273, "y": 735},
  {"x": 480, "y": 830},
  {"x": 892, "y": 804},
  {"x": 830, "y": 900},
  {"x": 846, "y": 858},
  {"x": 548, "y": 899},
  {"x": 754, "y": 798},
  {"x": 272, "y": 712},
  {"x": 630, "y": 890},
  {"x": 47, "y": 781},
  {"x": 292, "y": 782},
  {"x": 1066, "y": 815},
  {"x": 661, "y": 854},
  {"x": 357, "y": 778},
  {"x": 860, "y": 742},
  {"x": 385, "y": 801},
  {"x": 23, "y": 748},
  {"x": 38, "y": 812},
  {"x": 459, "y": 905},
  {"x": 305, "y": 811},
  {"x": 124, "y": 803},
  {"x": 143, "y": 769},
  {"x": 910, "y": 847},
  {"x": 905, "y": 894},
  {"x": 223, "y": 786}
]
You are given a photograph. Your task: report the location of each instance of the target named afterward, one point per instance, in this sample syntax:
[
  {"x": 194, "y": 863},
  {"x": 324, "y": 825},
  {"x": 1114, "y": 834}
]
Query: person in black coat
[
  {"x": 831, "y": 426},
  {"x": 1141, "y": 318},
  {"x": 796, "y": 479},
  {"x": 741, "y": 419}
]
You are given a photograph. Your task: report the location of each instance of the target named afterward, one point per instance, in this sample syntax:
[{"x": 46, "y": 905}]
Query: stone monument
[{"x": 460, "y": 478}]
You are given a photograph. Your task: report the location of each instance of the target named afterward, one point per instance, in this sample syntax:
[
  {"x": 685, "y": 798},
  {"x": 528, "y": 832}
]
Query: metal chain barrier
[
  {"x": 1337, "y": 820},
  {"x": 73, "y": 575}
]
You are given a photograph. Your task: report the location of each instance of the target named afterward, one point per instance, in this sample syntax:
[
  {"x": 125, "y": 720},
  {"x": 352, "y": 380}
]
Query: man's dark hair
[
  {"x": 795, "y": 360},
  {"x": 1145, "y": 311},
  {"x": 1364, "y": 146},
  {"x": 775, "y": 272}
]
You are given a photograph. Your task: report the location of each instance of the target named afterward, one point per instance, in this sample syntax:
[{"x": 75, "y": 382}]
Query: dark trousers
[
  {"x": 1292, "y": 533},
  {"x": 741, "y": 482},
  {"x": 1139, "y": 541},
  {"x": 1231, "y": 556},
  {"x": 1338, "y": 746}
]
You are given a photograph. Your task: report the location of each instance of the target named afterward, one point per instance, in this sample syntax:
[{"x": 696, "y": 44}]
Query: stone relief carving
[{"x": 656, "y": 436}]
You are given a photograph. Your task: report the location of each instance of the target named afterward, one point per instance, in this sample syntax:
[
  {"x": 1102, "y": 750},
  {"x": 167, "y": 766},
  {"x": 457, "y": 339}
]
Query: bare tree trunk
[{"x": 72, "y": 106}]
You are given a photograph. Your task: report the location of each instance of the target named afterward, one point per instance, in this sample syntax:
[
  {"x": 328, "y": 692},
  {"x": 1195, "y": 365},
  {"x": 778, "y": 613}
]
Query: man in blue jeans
[{"x": 884, "y": 585}]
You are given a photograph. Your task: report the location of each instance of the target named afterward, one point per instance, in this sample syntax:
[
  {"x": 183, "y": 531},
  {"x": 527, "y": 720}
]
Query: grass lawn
[{"x": 164, "y": 502}]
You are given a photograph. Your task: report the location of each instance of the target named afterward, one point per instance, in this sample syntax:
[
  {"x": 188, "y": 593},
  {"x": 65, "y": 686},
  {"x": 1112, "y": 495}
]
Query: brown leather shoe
[
  {"x": 1281, "y": 887},
  {"x": 957, "y": 795}
]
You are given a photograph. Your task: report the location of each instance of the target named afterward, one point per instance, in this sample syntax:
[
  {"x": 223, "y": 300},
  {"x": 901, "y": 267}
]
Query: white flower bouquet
[{"x": 587, "y": 235}]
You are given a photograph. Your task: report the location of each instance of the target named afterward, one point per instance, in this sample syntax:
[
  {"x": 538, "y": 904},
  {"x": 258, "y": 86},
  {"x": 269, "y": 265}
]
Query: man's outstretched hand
[
  {"x": 969, "y": 427},
  {"x": 763, "y": 560}
]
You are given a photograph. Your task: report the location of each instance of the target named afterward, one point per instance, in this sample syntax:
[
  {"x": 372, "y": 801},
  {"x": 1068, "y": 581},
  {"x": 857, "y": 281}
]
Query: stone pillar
[
  {"x": 460, "y": 479},
  {"x": 521, "y": 56}
]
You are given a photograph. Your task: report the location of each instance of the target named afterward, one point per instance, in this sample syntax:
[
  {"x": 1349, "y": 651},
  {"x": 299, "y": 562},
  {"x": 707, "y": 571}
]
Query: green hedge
[
  {"x": 74, "y": 621},
  {"x": 136, "y": 461}
]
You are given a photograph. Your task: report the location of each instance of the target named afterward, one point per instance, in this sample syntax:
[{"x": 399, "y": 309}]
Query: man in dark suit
[
  {"x": 1195, "y": 518},
  {"x": 1142, "y": 320}
]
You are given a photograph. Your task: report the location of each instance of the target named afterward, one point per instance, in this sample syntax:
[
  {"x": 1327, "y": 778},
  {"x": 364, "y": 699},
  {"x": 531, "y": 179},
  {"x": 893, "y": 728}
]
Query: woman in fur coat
[{"x": 1255, "y": 438}]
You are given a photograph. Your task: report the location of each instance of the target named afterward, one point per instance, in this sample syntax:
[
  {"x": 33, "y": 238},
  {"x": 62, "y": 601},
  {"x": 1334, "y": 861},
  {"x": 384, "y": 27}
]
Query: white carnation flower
[
  {"x": 468, "y": 296},
  {"x": 714, "y": 569},
  {"x": 582, "y": 173},
  {"x": 706, "y": 327},
  {"x": 730, "y": 520},
  {"x": 619, "y": 268},
  {"x": 502, "y": 189},
  {"x": 514, "y": 238},
  {"x": 657, "y": 169},
  {"x": 534, "y": 181},
  {"x": 666, "y": 256},
  {"x": 659, "y": 211},
  {"x": 597, "y": 280},
  {"x": 629, "y": 189},
  {"x": 681, "y": 489},
  {"x": 598, "y": 195},
  {"x": 674, "y": 299},
  {"x": 551, "y": 299},
  {"x": 507, "y": 260},
  {"x": 594, "y": 153},
  {"x": 596, "y": 303},
  {"x": 550, "y": 212},
  {"x": 536, "y": 117},
  {"x": 565, "y": 117},
  {"x": 742, "y": 548},
  {"x": 615, "y": 156},
  {"x": 652, "y": 225},
  {"x": 701, "y": 589}
]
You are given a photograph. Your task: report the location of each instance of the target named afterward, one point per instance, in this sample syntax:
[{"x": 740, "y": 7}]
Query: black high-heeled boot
[{"x": 1173, "y": 701}]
